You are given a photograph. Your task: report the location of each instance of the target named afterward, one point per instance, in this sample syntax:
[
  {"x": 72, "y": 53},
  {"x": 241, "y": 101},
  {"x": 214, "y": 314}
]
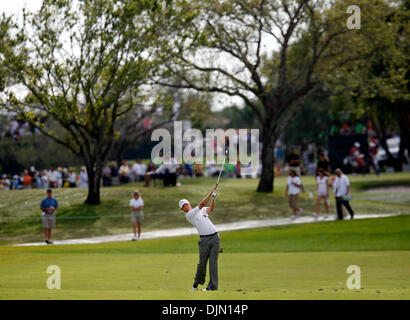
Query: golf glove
[{"x": 214, "y": 194}]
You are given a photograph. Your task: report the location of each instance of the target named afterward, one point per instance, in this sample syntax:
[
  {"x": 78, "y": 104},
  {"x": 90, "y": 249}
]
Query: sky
[{"x": 15, "y": 6}]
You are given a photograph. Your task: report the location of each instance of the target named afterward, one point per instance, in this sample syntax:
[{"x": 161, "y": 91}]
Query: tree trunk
[
  {"x": 94, "y": 172},
  {"x": 268, "y": 161},
  {"x": 404, "y": 124}
]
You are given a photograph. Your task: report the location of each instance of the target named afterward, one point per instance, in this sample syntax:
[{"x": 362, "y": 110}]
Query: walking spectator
[
  {"x": 83, "y": 178},
  {"x": 294, "y": 161},
  {"x": 322, "y": 187},
  {"x": 293, "y": 188},
  {"x": 342, "y": 191},
  {"x": 323, "y": 164},
  {"x": 137, "y": 215},
  {"x": 48, "y": 207}
]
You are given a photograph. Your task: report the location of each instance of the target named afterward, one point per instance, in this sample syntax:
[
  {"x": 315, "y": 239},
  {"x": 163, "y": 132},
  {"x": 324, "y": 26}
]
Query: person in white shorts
[
  {"x": 322, "y": 188},
  {"x": 137, "y": 215},
  {"x": 293, "y": 188}
]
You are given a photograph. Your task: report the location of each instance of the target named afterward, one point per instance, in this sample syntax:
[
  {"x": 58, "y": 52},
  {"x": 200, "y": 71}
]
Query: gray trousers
[{"x": 208, "y": 250}]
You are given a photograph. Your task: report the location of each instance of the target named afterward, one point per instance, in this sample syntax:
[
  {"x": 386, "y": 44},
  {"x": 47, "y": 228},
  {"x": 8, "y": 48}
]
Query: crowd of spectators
[{"x": 112, "y": 174}]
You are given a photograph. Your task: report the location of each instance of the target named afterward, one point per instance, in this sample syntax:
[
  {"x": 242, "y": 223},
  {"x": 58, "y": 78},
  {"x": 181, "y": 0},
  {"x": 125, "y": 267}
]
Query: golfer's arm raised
[
  {"x": 205, "y": 200},
  {"x": 211, "y": 206}
]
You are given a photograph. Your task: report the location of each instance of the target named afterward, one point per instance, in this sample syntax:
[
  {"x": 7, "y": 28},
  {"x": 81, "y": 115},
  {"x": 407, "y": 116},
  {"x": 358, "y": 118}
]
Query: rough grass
[{"x": 237, "y": 200}]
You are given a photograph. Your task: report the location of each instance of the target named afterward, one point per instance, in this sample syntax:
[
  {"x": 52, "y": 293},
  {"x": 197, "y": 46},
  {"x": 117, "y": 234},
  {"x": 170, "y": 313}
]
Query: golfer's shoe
[
  {"x": 299, "y": 212},
  {"x": 134, "y": 239},
  {"x": 315, "y": 216},
  {"x": 293, "y": 217},
  {"x": 194, "y": 289},
  {"x": 326, "y": 216}
]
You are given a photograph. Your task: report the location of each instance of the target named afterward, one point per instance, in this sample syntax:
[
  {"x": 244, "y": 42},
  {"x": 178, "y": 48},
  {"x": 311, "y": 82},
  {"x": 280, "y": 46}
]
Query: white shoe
[
  {"x": 293, "y": 217},
  {"x": 326, "y": 216},
  {"x": 300, "y": 212},
  {"x": 134, "y": 238},
  {"x": 315, "y": 216},
  {"x": 194, "y": 289}
]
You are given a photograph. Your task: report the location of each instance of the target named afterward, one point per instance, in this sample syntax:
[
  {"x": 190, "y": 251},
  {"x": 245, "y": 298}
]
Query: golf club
[{"x": 220, "y": 172}]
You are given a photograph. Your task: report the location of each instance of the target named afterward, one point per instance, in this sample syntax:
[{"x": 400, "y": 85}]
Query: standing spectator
[
  {"x": 359, "y": 128},
  {"x": 114, "y": 173},
  {"x": 198, "y": 169},
  {"x": 106, "y": 176},
  {"x": 136, "y": 170},
  {"x": 137, "y": 215},
  {"x": 345, "y": 130},
  {"x": 342, "y": 190},
  {"x": 37, "y": 178},
  {"x": 44, "y": 179},
  {"x": 71, "y": 178},
  {"x": 322, "y": 188},
  {"x": 27, "y": 180},
  {"x": 6, "y": 184},
  {"x": 293, "y": 188},
  {"x": 294, "y": 161},
  {"x": 372, "y": 155},
  {"x": 53, "y": 178},
  {"x": 357, "y": 159},
  {"x": 167, "y": 171},
  {"x": 124, "y": 173},
  {"x": 48, "y": 207},
  {"x": 83, "y": 178},
  {"x": 142, "y": 170},
  {"x": 60, "y": 177}
]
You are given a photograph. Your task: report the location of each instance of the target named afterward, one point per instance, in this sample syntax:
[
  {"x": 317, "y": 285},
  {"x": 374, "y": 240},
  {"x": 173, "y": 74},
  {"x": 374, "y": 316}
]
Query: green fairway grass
[
  {"x": 306, "y": 261},
  {"x": 20, "y": 215}
]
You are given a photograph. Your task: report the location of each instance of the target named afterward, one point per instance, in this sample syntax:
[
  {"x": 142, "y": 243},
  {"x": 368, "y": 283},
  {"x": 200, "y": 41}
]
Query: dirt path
[{"x": 240, "y": 225}]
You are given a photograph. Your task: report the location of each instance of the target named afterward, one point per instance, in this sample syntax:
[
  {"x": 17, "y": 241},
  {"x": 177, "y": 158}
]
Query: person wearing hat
[
  {"x": 137, "y": 216},
  {"x": 209, "y": 241},
  {"x": 48, "y": 207}
]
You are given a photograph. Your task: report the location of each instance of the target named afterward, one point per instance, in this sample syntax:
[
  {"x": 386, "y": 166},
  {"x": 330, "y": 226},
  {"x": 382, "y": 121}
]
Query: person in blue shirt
[{"x": 48, "y": 207}]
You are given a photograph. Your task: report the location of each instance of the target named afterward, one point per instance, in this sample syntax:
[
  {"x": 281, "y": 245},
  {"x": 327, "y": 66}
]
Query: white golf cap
[
  {"x": 357, "y": 144},
  {"x": 182, "y": 202}
]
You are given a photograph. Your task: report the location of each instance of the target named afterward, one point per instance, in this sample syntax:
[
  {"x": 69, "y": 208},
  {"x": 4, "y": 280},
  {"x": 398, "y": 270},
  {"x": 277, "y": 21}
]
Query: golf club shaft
[{"x": 220, "y": 172}]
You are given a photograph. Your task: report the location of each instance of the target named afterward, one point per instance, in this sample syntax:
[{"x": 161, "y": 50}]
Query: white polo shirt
[
  {"x": 136, "y": 202},
  {"x": 341, "y": 184},
  {"x": 199, "y": 219},
  {"x": 292, "y": 190}
]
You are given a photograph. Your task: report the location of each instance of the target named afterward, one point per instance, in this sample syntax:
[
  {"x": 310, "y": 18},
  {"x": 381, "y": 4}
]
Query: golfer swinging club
[{"x": 209, "y": 242}]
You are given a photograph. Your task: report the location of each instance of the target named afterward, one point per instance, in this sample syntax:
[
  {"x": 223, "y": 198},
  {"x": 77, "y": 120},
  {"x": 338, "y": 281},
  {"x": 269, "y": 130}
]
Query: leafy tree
[
  {"x": 84, "y": 66},
  {"x": 379, "y": 85},
  {"x": 269, "y": 53}
]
